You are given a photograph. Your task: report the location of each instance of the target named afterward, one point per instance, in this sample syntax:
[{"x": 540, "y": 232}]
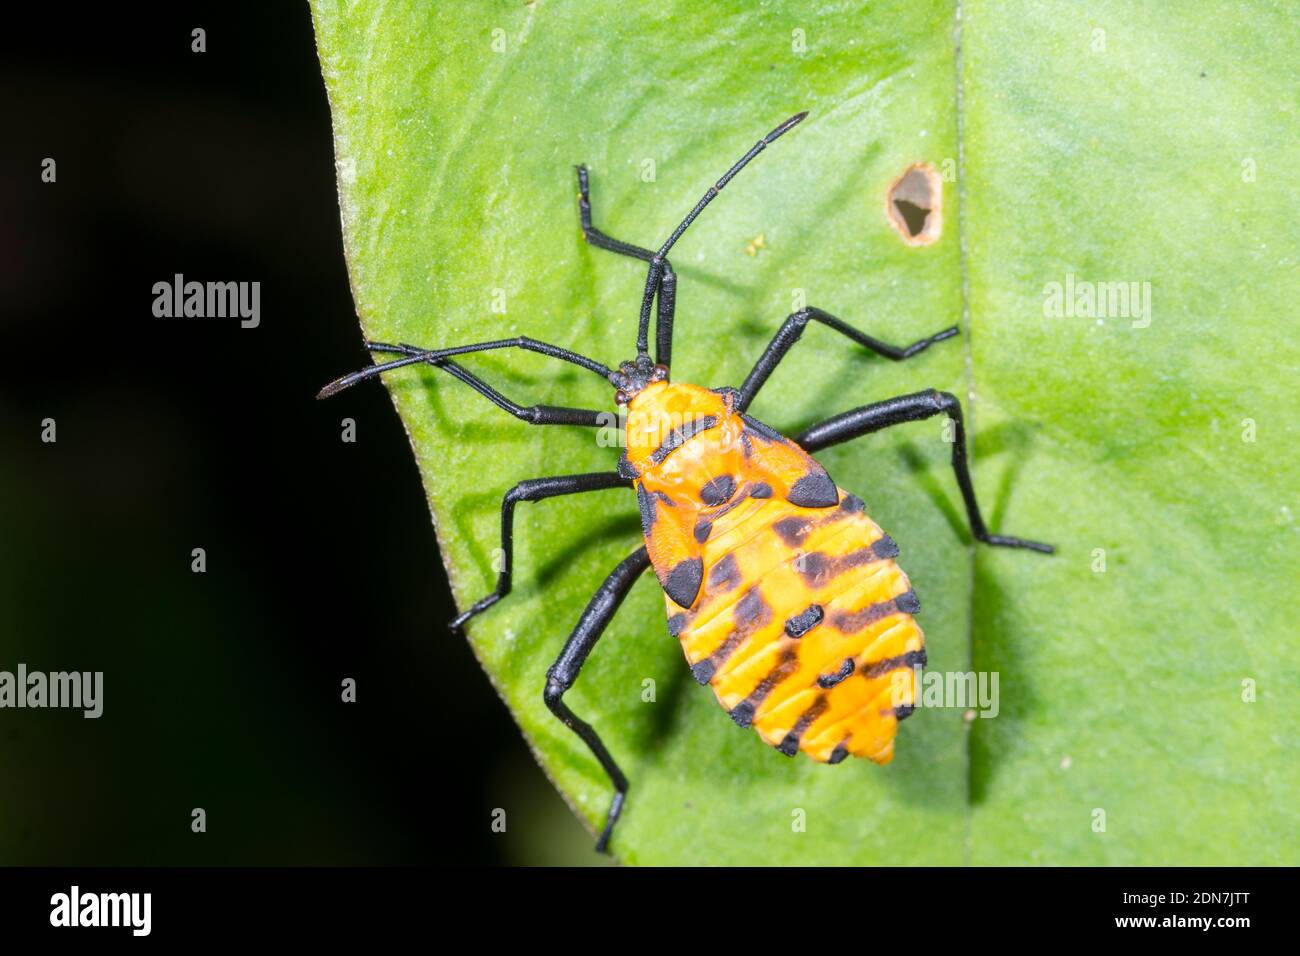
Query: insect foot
[
  {"x": 1006, "y": 541},
  {"x": 479, "y": 606}
]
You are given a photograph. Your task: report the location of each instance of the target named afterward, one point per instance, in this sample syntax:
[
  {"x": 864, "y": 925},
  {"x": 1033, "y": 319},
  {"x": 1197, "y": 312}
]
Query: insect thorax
[{"x": 663, "y": 418}]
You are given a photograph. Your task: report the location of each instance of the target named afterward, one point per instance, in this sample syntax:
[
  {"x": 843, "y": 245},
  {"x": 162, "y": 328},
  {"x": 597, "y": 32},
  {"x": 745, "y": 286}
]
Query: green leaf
[{"x": 1106, "y": 143}]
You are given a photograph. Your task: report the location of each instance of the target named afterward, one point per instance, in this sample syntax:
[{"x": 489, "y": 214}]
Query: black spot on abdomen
[
  {"x": 814, "y": 491},
  {"x": 805, "y": 621},
  {"x": 827, "y": 681},
  {"x": 724, "y": 575},
  {"x": 908, "y": 660},
  {"x": 789, "y": 745},
  {"x": 752, "y": 611},
  {"x": 793, "y": 530},
  {"x": 684, "y": 581},
  {"x": 850, "y": 622},
  {"x": 718, "y": 490}
]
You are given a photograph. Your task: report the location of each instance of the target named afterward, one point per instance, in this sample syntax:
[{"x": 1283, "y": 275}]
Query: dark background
[{"x": 222, "y": 689}]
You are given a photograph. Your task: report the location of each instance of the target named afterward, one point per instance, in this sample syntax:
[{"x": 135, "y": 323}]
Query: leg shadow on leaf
[
  {"x": 668, "y": 716},
  {"x": 1002, "y": 650},
  {"x": 549, "y": 565},
  {"x": 996, "y": 647},
  {"x": 621, "y": 528},
  {"x": 1011, "y": 439}
]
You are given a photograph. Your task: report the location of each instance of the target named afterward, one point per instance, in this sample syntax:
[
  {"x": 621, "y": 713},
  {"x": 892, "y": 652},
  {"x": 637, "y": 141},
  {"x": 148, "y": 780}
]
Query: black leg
[
  {"x": 659, "y": 260},
  {"x": 441, "y": 358},
  {"x": 792, "y": 329},
  {"x": 535, "y": 489},
  {"x": 911, "y": 408},
  {"x": 594, "y": 235},
  {"x": 667, "y": 308},
  {"x": 667, "y": 289},
  {"x": 600, "y": 610},
  {"x": 533, "y": 414}
]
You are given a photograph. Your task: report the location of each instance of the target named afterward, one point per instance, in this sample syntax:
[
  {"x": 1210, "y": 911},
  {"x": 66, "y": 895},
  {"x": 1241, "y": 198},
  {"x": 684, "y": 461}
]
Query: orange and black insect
[{"x": 784, "y": 594}]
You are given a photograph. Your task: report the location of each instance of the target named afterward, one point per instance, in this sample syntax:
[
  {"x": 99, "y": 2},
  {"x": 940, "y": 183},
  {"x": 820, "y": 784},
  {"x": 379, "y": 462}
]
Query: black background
[{"x": 222, "y": 689}]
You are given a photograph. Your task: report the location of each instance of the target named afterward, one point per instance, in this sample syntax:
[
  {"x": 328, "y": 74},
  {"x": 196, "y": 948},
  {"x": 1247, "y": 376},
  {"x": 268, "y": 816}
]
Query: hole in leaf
[
  {"x": 915, "y": 205},
  {"x": 913, "y": 215}
]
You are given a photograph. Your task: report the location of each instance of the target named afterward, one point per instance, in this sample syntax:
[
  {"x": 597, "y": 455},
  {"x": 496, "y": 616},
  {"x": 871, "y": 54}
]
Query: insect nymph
[{"x": 784, "y": 594}]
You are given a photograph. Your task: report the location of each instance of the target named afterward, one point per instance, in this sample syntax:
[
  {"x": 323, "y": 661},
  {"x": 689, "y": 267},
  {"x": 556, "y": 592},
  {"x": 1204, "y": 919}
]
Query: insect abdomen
[{"x": 804, "y": 629}]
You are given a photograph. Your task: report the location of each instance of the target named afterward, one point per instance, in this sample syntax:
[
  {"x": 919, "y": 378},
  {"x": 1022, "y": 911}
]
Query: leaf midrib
[{"x": 968, "y": 366}]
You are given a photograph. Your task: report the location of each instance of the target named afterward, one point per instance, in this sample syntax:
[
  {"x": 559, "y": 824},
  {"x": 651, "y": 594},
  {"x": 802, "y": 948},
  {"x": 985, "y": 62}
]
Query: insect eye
[{"x": 620, "y": 397}]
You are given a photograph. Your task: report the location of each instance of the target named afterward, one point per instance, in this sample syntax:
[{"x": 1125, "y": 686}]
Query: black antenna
[
  {"x": 416, "y": 356},
  {"x": 656, "y": 264}
]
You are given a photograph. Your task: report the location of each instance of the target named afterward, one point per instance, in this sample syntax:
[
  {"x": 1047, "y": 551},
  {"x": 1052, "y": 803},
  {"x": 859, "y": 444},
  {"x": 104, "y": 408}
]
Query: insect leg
[
  {"x": 910, "y": 408},
  {"x": 659, "y": 262},
  {"x": 533, "y": 414},
  {"x": 666, "y": 303},
  {"x": 594, "y": 235},
  {"x": 792, "y": 329},
  {"x": 599, "y": 612},
  {"x": 667, "y": 309},
  {"x": 534, "y": 489}
]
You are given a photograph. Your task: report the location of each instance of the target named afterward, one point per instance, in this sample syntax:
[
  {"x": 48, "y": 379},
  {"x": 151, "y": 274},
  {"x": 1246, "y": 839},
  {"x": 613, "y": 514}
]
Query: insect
[{"x": 784, "y": 594}]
